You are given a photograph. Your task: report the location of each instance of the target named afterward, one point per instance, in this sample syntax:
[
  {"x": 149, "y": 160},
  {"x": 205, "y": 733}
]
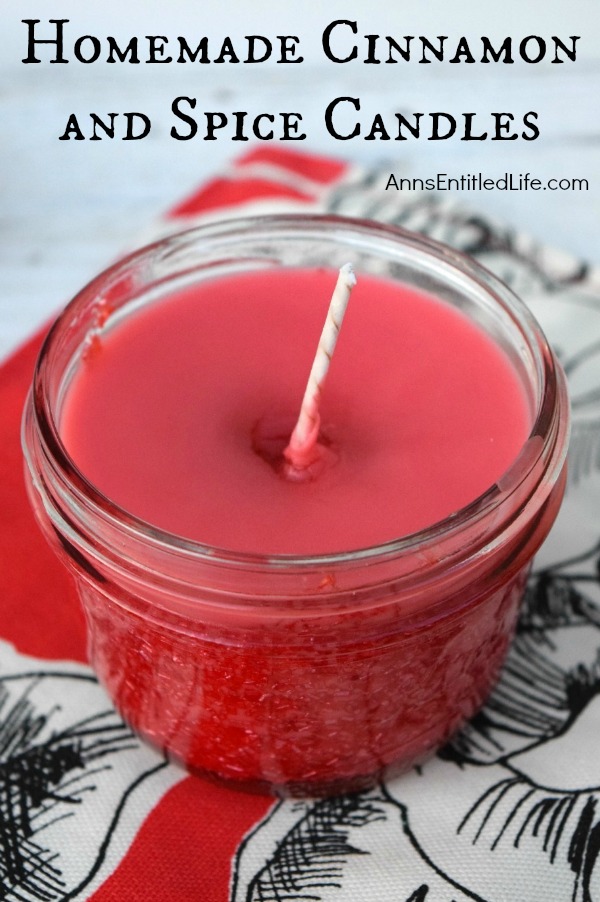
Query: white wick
[{"x": 301, "y": 448}]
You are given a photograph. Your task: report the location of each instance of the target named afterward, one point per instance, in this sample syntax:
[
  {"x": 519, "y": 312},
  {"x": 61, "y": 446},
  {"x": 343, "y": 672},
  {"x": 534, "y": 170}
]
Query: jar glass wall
[{"x": 297, "y": 673}]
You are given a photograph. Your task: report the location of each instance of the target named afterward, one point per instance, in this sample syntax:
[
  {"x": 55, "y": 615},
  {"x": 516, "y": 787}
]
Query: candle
[
  {"x": 182, "y": 414},
  {"x": 311, "y": 633}
]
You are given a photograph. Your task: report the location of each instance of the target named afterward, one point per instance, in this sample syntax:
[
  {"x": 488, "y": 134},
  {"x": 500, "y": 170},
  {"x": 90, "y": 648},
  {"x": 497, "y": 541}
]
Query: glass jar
[{"x": 292, "y": 674}]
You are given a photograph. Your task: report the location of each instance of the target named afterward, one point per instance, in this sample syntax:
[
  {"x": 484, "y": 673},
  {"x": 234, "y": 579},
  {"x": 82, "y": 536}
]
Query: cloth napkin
[{"x": 508, "y": 812}]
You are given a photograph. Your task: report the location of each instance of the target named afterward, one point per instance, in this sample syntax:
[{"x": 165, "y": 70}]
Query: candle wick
[{"x": 301, "y": 449}]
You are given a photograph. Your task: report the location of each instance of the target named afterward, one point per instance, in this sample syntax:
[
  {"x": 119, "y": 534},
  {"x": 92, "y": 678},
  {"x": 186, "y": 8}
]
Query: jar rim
[{"x": 542, "y": 442}]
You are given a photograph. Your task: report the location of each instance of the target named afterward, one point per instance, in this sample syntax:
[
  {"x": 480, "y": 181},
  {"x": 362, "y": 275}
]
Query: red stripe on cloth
[
  {"x": 221, "y": 193},
  {"x": 310, "y": 166},
  {"x": 40, "y": 612},
  {"x": 185, "y": 848}
]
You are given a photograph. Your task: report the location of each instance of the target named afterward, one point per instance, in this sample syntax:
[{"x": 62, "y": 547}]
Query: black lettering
[
  {"x": 572, "y": 54},
  {"x": 96, "y": 48},
  {"x": 227, "y": 53},
  {"x": 435, "y": 131},
  {"x": 463, "y": 53},
  {"x": 130, "y": 135},
  {"x": 503, "y": 124},
  {"x": 329, "y": 118},
  {"x": 505, "y": 48},
  {"x": 437, "y": 52},
  {"x": 327, "y": 38},
  {"x": 288, "y": 50},
  {"x": 469, "y": 136},
  {"x": 157, "y": 48},
  {"x": 524, "y": 48},
  {"x": 251, "y": 55},
  {"x": 108, "y": 130},
  {"x": 185, "y": 118},
  {"x": 72, "y": 130},
  {"x": 32, "y": 41},
  {"x": 371, "y": 56},
  {"x": 535, "y": 132},
  {"x": 378, "y": 129},
  {"x": 121, "y": 55},
  {"x": 214, "y": 122},
  {"x": 291, "y": 126},
  {"x": 404, "y": 123},
  {"x": 391, "y": 182},
  {"x": 240, "y": 134},
  {"x": 185, "y": 50},
  {"x": 403, "y": 51},
  {"x": 256, "y": 127}
]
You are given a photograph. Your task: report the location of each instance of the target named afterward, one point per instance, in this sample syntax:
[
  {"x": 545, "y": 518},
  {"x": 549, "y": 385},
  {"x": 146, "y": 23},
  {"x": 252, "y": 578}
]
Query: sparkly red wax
[
  {"x": 302, "y": 708},
  {"x": 179, "y": 415}
]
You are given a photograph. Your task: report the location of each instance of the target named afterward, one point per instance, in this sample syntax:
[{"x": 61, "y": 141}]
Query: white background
[{"x": 67, "y": 208}]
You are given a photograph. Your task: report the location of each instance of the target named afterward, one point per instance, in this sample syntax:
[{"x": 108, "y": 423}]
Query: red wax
[{"x": 179, "y": 414}]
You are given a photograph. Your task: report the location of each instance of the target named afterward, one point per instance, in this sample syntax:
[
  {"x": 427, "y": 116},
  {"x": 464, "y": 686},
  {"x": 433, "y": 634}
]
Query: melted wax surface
[{"x": 421, "y": 413}]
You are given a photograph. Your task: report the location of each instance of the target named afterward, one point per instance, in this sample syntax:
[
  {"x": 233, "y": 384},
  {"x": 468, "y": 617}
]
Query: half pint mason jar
[{"x": 313, "y": 671}]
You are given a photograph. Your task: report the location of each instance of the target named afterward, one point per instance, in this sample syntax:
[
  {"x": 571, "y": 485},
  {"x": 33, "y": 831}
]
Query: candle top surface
[{"x": 181, "y": 414}]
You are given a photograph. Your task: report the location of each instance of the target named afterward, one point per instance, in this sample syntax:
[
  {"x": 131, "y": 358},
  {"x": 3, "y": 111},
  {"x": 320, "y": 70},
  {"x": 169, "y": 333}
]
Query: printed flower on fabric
[{"x": 75, "y": 784}]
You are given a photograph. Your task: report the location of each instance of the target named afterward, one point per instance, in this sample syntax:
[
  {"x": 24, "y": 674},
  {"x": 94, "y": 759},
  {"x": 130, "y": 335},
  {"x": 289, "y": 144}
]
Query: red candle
[
  {"x": 176, "y": 415},
  {"x": 300, "y": 633}
]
